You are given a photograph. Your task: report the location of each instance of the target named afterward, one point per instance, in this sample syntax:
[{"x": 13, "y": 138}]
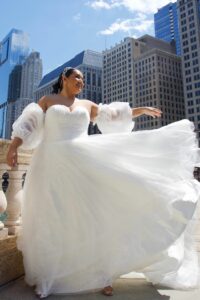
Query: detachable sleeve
[
  {"x": 115, "y": 117},
  {"x": 29, "y": 126}
]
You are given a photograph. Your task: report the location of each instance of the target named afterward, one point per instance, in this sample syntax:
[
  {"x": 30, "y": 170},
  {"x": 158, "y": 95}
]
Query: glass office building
[
  {"x": 166, "y": 25},
  {"x": 14, "y": 48}
]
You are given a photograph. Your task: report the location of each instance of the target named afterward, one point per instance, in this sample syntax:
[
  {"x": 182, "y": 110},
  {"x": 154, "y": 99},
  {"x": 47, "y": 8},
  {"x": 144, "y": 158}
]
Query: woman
[{"x": 97, "y": 207}]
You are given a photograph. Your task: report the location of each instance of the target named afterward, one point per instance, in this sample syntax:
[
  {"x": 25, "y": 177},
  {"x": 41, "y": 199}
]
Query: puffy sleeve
[
  {"x": 114, "y": 117},
  {"x": 29, "y": 126}
]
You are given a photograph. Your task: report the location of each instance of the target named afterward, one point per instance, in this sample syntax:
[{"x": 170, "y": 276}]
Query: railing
[{"x": 11, "y": 189}]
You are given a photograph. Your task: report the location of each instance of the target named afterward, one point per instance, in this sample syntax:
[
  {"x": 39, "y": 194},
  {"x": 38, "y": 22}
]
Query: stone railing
[
  {"x": 11, "y": 199},
  {"x": 11, "y": 262}
]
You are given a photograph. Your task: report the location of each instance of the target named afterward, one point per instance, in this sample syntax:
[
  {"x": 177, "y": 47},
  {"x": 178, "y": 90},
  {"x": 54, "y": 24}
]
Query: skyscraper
[
  {"x": 158, "y": 83},
  {"x": 14, "y": 85},
  {"x": 117, "y": 75},
  {"x": 31, "y": 75},
  {"x": 166, "y": 25},
  {"x": 189, "y": 22},
  {"x": 25, "y": 80},
  {"x": 14, "y": 49},
  {"x": 145, "y": 72}
]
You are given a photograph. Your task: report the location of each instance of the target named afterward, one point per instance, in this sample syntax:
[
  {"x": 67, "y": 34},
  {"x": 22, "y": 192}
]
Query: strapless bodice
[{"x": 61, "y": 123}]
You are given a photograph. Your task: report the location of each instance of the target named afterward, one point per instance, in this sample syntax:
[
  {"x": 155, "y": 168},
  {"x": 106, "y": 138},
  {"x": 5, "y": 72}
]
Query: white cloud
[
  {"x": 102, "y": 4},
  {"x": 77, "y": 17},
  {"x": 144, "y": 6},
  {"x": 140, "y": 24}
]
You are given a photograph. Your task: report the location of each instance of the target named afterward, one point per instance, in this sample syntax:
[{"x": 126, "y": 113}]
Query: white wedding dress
[{"x": 100, "y": 206}]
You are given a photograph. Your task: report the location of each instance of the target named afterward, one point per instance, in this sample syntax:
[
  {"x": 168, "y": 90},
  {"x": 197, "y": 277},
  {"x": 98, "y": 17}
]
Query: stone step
[{"x": 11, "y": 262}]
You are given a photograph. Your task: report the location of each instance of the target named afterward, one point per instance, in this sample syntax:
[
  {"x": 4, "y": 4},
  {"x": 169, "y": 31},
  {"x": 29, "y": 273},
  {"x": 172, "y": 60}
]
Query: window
[
  {"x": 196, "y": 69},
  {"x": 187, "y": 64},
  {"x": 186, "y": 57},
  {"x": 196, "y": 77},
  {"x": 191, "y": 110},
  {"x": 88, "y": 78},
  {"x": 4, "y": 48},
  {"x": 194, "y": 47},
  {"x": 197, "y": 85},
  {"x": 184, "y": 28},
  {"x": 193, "y": 32},
  {"x": 192, "y": 25},
  {"x": 190, "y": 11},
  {"x": 195, "y": 54},
  {"x": 183, "y": 15},
  {"x": 99, "y": 81},
  {"x": 189, "y": 87},
  {"x": 93, "y": 79},
  {"x": 185, "y": 43},
  {"x": 189, "y": 95},
  {"x": 186, "y": 50},
  {"x": 195, "y": 62},
  {"x": 192, "y": 40}
]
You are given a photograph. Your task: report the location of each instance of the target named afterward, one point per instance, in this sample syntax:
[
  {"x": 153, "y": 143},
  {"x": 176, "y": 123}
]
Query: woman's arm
[
  {"x": 136, "y": 112},
  {"x": 17, "y": 141},
  {"x": 150, "y": 111},
  {"x": 94, "y": 111},
  {"x": 114, "y": 117},
  {"x": 12, "y": 155}
]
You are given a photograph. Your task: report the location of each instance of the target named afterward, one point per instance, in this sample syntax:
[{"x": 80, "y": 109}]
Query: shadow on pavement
[{"x": 124, "y": 289}]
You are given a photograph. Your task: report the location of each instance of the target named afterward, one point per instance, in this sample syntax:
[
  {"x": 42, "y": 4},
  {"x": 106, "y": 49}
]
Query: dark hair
[{"x": 57, "y": 87}]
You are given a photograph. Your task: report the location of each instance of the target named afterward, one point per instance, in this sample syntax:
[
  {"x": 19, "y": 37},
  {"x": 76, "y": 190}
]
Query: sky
[{"x": 60, "y": 29}]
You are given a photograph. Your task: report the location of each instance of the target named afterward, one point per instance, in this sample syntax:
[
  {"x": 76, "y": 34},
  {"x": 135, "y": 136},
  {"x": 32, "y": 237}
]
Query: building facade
[
  {"x": 167, "y": 26},
  {"x": 24, "y": 80},
  {"x": 158, "y": 83},
  {"x": 145, "y": 72},
  {"x": 189, "y": 20},
  {"x": 31, "y": 75},
  {"x": 117, "y": 73},
  {"x": 14, "y": 85},
  {"x": 14, "y": 49}
]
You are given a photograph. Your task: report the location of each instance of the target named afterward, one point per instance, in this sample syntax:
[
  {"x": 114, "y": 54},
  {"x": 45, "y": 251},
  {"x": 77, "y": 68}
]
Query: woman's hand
[
  {"x": 152, "y": 111},
  {"x": 12, "y": 156}
]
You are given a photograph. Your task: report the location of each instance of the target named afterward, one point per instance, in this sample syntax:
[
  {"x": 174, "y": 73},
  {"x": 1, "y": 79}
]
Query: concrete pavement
[{"x": 124, "y": 289}]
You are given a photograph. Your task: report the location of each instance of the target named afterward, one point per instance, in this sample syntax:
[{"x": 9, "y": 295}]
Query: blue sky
[{"x": 60, "y": 29}]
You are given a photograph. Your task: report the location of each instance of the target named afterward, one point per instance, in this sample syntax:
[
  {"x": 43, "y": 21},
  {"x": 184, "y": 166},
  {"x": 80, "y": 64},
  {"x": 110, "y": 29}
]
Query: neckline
[{"x": 68, "y": 108}]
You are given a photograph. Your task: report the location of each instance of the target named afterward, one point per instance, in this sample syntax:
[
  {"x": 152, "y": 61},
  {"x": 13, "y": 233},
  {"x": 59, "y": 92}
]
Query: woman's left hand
[{"x": 152, "y": 111}]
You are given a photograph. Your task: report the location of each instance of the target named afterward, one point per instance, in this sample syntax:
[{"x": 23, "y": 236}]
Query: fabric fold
[{"x": 29, "y": 126}]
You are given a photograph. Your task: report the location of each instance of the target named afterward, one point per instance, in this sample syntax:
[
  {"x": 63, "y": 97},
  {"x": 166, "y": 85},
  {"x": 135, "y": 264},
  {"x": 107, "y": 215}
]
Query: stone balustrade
[
  {"x": 11, "y": 262},
  {"x": 10, "y": 201}
]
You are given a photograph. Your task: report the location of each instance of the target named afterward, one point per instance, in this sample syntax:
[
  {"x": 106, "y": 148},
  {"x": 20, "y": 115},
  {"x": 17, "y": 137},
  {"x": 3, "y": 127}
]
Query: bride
[{"x": 100, "y": 206}]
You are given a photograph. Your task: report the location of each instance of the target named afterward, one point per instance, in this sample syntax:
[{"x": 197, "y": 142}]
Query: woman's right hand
[{"x": 12, "y": 156}]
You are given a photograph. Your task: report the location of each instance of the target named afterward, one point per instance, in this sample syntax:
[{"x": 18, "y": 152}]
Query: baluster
[
  {"x": 14, "y": 201},
  {"x": 3, "y": 206}
]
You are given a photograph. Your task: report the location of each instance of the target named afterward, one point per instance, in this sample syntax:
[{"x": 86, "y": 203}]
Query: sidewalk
[{"x": 124, "y": 289}]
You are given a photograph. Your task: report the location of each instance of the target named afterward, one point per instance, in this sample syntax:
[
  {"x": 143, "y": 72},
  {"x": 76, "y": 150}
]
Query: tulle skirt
[{"x": 100, "y": 206}]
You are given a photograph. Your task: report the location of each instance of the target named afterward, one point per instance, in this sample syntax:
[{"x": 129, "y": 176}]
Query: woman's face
[{"x": 74, "y": 83}]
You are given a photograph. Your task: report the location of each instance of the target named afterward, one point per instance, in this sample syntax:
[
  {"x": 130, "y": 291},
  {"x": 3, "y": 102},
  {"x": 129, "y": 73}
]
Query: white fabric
[
  {"x": 97, "y": 207},
  {"x": 29, "y": 126},
  {"x": 114, "y": 117}
]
